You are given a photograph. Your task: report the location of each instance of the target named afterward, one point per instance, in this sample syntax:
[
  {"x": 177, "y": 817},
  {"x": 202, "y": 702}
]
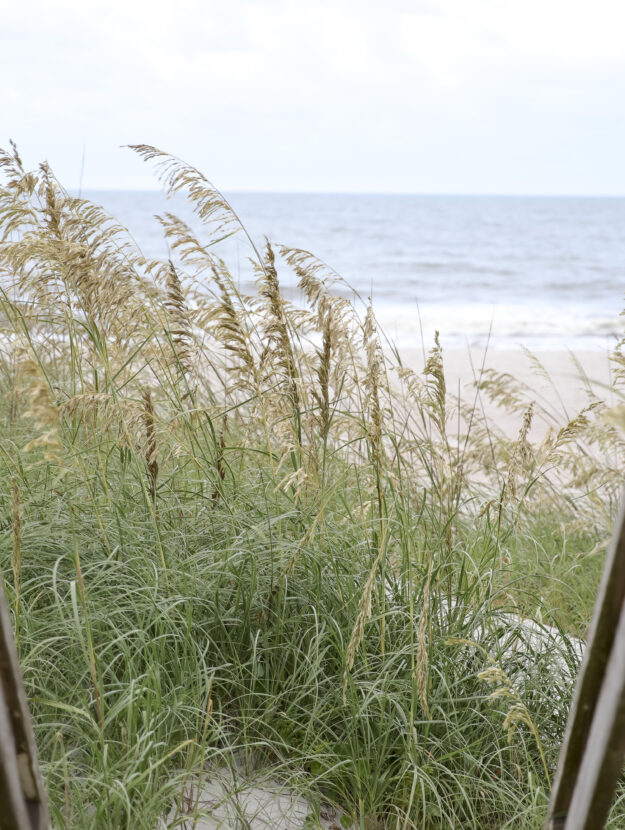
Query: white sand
[
  {"x": 230, "y": 799},
  {"x": 559, "y": 399}
]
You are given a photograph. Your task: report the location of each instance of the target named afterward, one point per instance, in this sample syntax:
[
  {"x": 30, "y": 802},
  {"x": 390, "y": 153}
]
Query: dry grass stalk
[
  {"x": 219, "y": 463},
  {"x": 323, "y": 376},
  {"x": 150, "y": 446},
  {"x": 180, "y": 332},
  {"x": 42, "y": 410},
  {"x": 503, "y": 389},
  {"x": 372, "y": 384},
  {"x": 334, "y": 376},
  {"x": 364, "y": 612},
  {"x": 184, "y": 241},
  {"x": 12, "y": 166},
  {"x": 521, "y": 456},
  {"x": 208, "y": 203},
  {"x": 618, "y": 359},
  {"x": 16, "y": 558},
  {"x": 575, "y": 428},
  {"x": 232, "y": 330},
  {"x": 435, "y": 387},
  {"x": 420, "y": 675},
  {"x": 277, "y": 328}
]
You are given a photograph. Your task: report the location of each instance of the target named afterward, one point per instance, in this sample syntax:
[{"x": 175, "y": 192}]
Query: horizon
[{"x": 438, "y": 195}]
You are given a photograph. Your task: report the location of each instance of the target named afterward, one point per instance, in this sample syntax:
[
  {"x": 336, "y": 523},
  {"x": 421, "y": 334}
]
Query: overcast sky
[{"x": 432, "y": 96}]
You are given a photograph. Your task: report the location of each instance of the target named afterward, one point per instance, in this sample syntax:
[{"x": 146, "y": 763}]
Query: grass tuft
[{"x": 241, "y": 541}]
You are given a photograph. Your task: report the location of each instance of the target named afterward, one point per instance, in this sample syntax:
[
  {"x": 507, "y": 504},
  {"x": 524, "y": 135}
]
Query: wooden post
[
  {"x": 23, "y": 803},
  {"x": 602, "y": 761},
  {"x": 594, "y": 742}
]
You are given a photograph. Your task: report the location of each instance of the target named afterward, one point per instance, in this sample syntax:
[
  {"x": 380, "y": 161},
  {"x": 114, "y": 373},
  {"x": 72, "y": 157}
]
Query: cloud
[{"x": 280, "y": 94}]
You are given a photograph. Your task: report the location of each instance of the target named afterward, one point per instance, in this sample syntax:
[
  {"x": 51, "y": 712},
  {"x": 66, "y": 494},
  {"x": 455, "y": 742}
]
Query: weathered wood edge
[
  {"x": 23, "y": 802},
  {"x": 602, "y": 762},
  {"x": 608, "y": 606}
]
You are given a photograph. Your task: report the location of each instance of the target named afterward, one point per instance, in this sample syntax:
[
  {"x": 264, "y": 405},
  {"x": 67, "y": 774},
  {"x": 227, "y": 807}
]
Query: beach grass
[{"x": 240, "y": 534}]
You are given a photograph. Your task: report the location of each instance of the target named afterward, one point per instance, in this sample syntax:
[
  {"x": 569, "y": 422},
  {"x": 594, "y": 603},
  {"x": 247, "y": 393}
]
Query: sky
[{"x": 395, "y": 96}]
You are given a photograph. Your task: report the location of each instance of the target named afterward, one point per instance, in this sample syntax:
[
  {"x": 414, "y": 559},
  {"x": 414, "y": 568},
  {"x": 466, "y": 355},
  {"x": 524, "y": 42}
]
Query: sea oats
[
  {"x": 150, "y": 447},
  {"x": 41, "y": 409}
]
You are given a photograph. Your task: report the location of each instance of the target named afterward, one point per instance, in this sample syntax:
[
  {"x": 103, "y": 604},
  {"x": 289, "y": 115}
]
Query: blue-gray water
[{"x": 546, "y": 272}]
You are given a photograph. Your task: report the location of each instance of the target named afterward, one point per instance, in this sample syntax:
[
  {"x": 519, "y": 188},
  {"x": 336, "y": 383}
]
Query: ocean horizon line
[{"x": 380, "y": 193}]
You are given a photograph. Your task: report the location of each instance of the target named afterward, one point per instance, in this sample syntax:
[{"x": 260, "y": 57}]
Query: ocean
[{"x": 544, "y": 272}]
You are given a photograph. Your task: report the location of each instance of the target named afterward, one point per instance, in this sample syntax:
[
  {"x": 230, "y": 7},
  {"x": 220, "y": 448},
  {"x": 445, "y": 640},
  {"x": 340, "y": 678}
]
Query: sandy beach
[{"x": 559, "y": 392}]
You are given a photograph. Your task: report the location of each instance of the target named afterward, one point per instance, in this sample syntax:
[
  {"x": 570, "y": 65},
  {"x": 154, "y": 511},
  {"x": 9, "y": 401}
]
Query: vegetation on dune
[{"x": 240, "y": 533}]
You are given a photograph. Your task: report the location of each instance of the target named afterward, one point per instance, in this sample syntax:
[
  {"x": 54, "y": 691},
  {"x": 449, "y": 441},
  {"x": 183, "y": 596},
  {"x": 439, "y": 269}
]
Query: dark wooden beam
[
  {"x": 602, "y": 651},
  {"x": 23, "y": 803},
  {"x": 602, "y": 762}
]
